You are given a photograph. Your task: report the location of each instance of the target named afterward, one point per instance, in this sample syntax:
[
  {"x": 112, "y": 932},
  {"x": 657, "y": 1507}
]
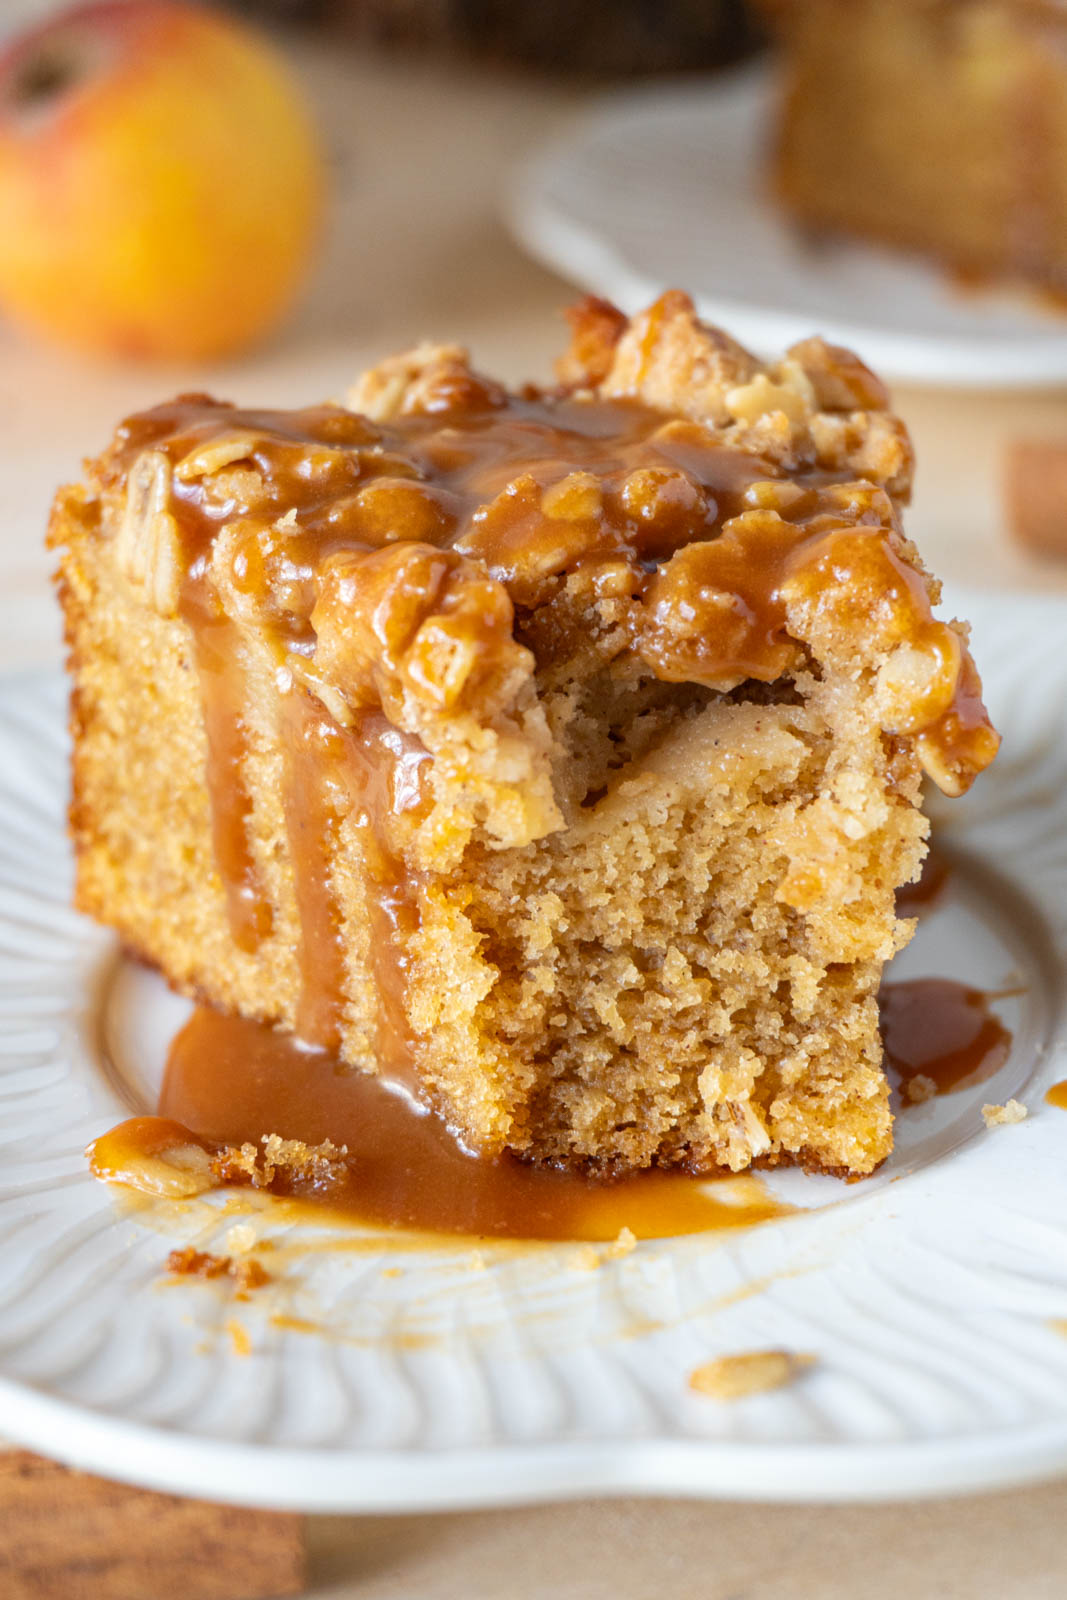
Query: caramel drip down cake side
[{"x": 556, "y": 753}]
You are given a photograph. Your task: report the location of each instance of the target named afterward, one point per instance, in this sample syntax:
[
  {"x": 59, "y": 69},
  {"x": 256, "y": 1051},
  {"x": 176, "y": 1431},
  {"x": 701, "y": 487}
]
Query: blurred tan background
[{"x": 1005, "y": 1547}]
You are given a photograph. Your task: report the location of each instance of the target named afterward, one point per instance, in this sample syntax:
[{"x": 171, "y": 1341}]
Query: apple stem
[{"x": 44, "y": 77}]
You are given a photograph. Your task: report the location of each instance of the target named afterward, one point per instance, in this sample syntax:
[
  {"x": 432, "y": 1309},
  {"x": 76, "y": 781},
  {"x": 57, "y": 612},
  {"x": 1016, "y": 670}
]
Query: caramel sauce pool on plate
[
  {"x": 937, "y": 1028},
  {"x": 230, "y": 1081},
  {"x": 942, "y": 1030}
]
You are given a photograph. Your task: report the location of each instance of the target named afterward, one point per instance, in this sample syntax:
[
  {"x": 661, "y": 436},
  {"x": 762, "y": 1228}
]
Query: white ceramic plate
[
  {"x": 384, "y": 1376},
  {"x": 668, "y": 187}
]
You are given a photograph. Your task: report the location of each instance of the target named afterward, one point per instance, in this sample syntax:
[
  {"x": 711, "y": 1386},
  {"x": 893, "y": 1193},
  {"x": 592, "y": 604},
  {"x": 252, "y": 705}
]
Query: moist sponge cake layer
[{"x": 556, "y": 754}]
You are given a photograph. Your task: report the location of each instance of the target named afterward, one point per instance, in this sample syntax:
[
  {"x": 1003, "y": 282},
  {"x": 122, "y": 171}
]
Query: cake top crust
[{"x": 684, "y": 510}]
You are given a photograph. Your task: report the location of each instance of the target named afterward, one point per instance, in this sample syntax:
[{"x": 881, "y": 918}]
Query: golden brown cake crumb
[
  {"x": 622, "y": 1245},
  {"x": 242, "y": 1238},
  {"x": 1005, "y": 1115},
  {"x": 751, "y": 1372},
  {"x": 247, "y": 1274},
  {"x": 240, "y": 1339},
  {"x": 556, "y": 754},
  {"x": 279, "y": 1163},
  {"x": 188, "y": 1263}
]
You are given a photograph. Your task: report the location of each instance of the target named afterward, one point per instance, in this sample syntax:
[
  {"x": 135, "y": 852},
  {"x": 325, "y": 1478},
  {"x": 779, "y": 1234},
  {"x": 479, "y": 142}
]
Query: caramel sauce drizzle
[
  {"x": 230, "y": 1081},
  {"x": 942, "y": 1031},
  {"x": 701, "y": 538},
  {"x": 223, "y": 694},
  {"x": 313, "y": 753},
  {"x": 365, "y": 774}
]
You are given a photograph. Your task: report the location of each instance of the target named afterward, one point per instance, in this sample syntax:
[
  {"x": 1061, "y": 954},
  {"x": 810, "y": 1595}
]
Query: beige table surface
[{"x": 415, "y": 249}]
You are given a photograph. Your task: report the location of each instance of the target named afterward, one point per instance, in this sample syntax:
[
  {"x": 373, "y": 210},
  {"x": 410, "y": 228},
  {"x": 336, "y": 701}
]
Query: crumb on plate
[
  {"x": 733, "y": 1377},
  {"x": 1002, "y": 1116}
]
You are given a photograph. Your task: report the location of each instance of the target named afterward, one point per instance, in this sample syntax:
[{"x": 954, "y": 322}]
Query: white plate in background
[
  {"x": 380, "y": 1375},
  {"x": 669, "y": 188}
]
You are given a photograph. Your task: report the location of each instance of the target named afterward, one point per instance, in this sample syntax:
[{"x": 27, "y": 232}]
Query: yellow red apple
[{"x": 160, "y": 181}]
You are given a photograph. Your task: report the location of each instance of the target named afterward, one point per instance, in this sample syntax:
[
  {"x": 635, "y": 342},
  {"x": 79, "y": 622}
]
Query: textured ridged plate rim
[
  {"x": 931, "y": 1302},
  {"x": 318, "y": 1482},
  {"x": 637, "y": 193}
]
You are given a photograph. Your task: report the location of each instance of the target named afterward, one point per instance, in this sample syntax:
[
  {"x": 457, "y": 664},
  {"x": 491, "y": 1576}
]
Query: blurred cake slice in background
[{"x": 939, "y": 126}]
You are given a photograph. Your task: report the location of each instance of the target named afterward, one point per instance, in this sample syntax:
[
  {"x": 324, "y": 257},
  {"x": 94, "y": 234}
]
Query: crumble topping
[{"x": 675, "y": 507}]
